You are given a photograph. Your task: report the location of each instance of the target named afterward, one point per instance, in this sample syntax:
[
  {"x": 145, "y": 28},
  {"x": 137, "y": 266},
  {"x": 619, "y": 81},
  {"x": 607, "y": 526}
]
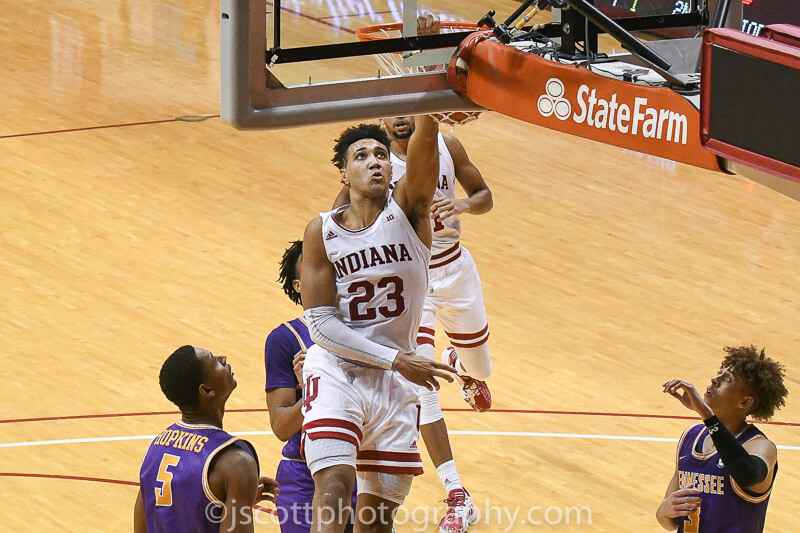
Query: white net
[
  {"x": 397, "y": 63},
  {"x": 400, "y": 63}
]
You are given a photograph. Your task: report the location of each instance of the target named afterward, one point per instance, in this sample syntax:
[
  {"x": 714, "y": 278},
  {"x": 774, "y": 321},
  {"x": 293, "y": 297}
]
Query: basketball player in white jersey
[
  {"x": 365, "y": 275},
  {"x": 455, "y": 297}
]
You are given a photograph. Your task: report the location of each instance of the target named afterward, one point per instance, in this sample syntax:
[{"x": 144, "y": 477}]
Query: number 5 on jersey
[{"x": 164, "y": 493}]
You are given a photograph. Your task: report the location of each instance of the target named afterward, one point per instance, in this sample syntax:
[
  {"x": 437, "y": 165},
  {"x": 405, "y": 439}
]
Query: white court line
[
  {"x": 473, "y": 433},
  {"x": 561, "y": 435}
]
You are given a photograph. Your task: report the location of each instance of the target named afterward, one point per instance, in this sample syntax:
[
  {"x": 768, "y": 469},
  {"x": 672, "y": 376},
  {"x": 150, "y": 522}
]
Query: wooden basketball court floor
[{"x": 125, "y": 233}]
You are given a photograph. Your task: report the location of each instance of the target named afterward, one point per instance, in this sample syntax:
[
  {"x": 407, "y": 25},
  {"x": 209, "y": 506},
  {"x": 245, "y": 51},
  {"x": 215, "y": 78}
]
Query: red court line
[
  {"x": 100, "y": 480},
  {"x": 71, "y": 478},
  {"x": 265, "y": 509},
  {"x": 451, "y": 410},
  {"x": 103, "y": 127},
  {"x": 83, "y": 417}
]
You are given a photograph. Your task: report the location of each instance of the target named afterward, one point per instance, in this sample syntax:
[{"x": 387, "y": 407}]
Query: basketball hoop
[{"x": 392, "y": 62}]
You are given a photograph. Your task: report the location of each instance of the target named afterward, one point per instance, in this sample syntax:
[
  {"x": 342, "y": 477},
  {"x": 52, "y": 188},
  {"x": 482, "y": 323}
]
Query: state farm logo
[
  {"x": 553, "y": 101},
  {"x": 636, "y": 118}
]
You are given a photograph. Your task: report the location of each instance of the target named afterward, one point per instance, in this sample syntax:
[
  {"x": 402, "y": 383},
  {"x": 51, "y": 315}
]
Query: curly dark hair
[
  {"x": 356, "y": 133},
  {"x": 288, "y": 272},
  {"x": 181, "y": 376},
  {"x": 763, "y": 375}
]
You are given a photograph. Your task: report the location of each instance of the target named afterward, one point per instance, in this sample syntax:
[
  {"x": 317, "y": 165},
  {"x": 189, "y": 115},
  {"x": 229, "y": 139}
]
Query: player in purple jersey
[
  {"x": 195, "y": 476},
  {"x": 284, "y": 353},
  {"x": 725, "y": 467}
]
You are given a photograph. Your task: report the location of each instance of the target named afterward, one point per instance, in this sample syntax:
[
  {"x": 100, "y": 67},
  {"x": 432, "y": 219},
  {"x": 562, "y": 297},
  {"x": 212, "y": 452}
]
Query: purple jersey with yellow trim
[
  {"x": 725, "y": 507},
  {"x": 283, "y": 343},
  {"x": 174, "y": 478}
]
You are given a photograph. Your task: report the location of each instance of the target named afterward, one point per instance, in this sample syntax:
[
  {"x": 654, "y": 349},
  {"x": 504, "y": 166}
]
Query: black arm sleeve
[{"x": 745, "y": 469}]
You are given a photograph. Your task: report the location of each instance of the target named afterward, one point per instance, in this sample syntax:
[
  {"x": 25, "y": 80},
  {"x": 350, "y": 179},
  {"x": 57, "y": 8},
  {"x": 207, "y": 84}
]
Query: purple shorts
[{"x": 296, "y": 493}]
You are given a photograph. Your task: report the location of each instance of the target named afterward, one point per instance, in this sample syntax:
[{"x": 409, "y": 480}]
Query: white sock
[
  {"x": 459, "y": 368},
  {"x": 449, "y": 475}
]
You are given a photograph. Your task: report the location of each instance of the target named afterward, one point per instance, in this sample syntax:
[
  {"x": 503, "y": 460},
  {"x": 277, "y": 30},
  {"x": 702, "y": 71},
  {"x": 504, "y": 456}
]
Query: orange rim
[{"x": 373, "y": 33}]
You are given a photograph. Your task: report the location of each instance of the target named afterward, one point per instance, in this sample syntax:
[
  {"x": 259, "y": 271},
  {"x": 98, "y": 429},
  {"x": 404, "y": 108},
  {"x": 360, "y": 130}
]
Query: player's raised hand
[
  {"x": 428, "y": 25},
  {"x": 443, "y": 207},
  {"x": 687, "y": 394},
  {"x": 423, "y": 371},
  {"x": 298, "y": 362},
  {"x": 682, "y": 502},
  {"x": 267, "y": 489}
]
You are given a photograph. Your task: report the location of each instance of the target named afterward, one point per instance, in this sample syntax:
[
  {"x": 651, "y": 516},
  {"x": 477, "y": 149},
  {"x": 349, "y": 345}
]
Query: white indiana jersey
[
  {"x": 446, "y": 233},
  {"x": 381, "y": 276}
]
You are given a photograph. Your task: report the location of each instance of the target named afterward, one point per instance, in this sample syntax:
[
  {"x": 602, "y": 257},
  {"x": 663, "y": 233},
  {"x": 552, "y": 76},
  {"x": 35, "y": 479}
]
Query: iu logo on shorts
[{"x": 310, "y": 391}]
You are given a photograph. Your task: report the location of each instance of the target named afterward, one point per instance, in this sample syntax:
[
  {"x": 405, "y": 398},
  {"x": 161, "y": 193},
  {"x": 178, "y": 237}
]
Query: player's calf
[{"x": 333, "y": 489}]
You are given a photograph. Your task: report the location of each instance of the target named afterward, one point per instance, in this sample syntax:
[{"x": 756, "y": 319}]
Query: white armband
[{"x": 333, "y": 335}]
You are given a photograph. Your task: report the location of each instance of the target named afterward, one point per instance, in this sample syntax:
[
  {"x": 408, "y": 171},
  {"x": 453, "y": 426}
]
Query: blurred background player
[
  {"x": 365, "y": 271},
  {"x": 284, "y": 354},
  {"x": 454, "y": 297},
  {"x": 725, "y": 466},
  {"x": 195, "y": 476}
]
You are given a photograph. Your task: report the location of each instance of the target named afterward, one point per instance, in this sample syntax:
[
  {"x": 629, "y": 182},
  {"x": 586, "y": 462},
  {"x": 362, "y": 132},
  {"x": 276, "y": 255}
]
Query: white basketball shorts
[
  {"x": 455, "y": 298},
  {"x": 374, "y": 409}
]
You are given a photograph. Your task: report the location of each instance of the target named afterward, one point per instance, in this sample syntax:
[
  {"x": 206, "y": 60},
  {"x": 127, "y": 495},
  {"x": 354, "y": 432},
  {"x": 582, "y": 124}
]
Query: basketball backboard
[{"x": 290, "y": 63}]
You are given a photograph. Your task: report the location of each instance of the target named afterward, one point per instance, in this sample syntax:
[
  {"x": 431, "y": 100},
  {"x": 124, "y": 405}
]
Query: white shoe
[{"x": 460, "y": 512}]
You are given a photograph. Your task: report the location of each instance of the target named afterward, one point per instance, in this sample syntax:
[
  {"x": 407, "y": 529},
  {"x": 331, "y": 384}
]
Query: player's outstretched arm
[
  {"x": 677, "y": 503},
  {"x": 139, "y": 523},
  {"x": 319, "y": 300},
  {"x": 687, "y": 394},
  {"x": 749, "y": 467},
  {"x": 414, "y": 193},
  {"x": 479, "y": 196},
  {"x": 423, "y": 371}
]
